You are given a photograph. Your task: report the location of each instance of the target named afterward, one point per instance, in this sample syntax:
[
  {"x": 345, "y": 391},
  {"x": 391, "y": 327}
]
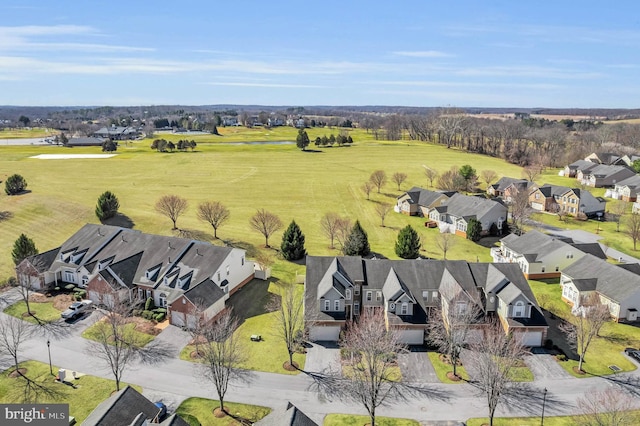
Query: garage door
[
  {"x": 94, "y": 296},
  {"x": 330, "y": 334},
  {"x": 537, "y": 206},
  {"x": 532, "y": 338},
  {"x": 411, "y": 337},
  {"x": 177, "y": 319}
]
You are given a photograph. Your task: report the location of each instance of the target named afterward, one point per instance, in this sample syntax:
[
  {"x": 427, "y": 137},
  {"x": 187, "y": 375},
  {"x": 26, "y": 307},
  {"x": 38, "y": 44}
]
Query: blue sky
[{"x": 415, "y": 53}]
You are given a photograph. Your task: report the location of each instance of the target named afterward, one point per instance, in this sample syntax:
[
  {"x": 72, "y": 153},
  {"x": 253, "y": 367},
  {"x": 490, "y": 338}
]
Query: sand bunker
[{"x": 70, "y": 156}]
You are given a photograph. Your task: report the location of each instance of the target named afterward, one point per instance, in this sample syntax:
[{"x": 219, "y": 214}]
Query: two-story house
[
  {"x": 120, "y": 265},
  {"x": 498, "y": 188},
  {"x": 418, "y": 201},
  {"x": 339, "y": 289}
]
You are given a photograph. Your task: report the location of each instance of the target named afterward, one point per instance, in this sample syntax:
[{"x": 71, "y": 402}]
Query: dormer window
[
  {"x": 404, "y": 309},
  {"x": 104, "y": 263},
  {"x": 518, "y": 309},
  {"x": 184, "y": 280},
  {"x": 327, "y": 305},
  {"x": 336, "y": 305},
  {"x": 152, "y": 273}
]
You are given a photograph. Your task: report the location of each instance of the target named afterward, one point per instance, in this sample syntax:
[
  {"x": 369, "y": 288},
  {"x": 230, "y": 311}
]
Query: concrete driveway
[
  {"x": 323, "y": 357},
  {"x": 416, "y": 367},
  {"x": 545, "y": 366}
]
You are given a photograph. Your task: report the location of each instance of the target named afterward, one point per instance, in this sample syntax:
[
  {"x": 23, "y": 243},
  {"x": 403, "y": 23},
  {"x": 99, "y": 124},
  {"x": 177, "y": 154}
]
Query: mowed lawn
[{"x": 280, "y": 178}]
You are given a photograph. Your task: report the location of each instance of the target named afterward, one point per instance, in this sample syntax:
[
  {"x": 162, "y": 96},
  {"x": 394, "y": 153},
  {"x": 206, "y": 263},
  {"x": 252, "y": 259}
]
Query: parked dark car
[
  {"x": 633, "y": 353},
  {"x": 628, "y": 351}
]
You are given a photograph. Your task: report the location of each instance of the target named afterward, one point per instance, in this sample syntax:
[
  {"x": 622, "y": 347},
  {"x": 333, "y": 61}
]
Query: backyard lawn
[
  {"x": 353, "y": 420},
  {"x": 92, "y": 333},
  {"x": 548, "y": 420},
  {"x": 605, "y": 350},
  {"x": 83, "y": 397},
  {"x": 199, "y": 411},
  {"x": 280, "y": 178}
]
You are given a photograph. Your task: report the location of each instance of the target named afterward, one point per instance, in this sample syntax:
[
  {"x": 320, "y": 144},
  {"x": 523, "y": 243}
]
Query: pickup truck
[{"x": 76, "y": 309}]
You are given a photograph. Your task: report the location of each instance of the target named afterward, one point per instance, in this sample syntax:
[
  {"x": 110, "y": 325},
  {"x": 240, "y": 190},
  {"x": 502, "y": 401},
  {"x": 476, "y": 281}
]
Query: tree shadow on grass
[
  {"x": 120, "y": 220},
  {"x": 194, "y": 234},
  {"x": 250, "y": 300},
  {"x": 251, "y": 250},
  {"x": 5, "y": 215},
  {"x": 313, "y": 151}
]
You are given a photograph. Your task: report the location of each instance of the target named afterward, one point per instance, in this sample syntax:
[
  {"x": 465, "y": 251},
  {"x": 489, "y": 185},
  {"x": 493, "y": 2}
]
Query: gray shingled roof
[
  {"x": 289, "y": 415},
  {"x": 632, "y": 182},
  {"x": 612, "y": 281},
  {"x": 424, "y": 197},
  {"x": 460, "y": 205},
  {"x": 121, "y": 408},
  {"x": 505, "y": 181}
]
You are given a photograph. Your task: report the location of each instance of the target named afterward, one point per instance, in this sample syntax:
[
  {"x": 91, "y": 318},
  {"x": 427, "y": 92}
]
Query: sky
[{"x": 466, "y": 53}]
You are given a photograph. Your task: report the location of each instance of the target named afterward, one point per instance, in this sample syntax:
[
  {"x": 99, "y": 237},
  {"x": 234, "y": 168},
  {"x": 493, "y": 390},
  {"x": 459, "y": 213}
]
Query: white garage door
[
  {"x": 537, "y": 206},
  {"x": 94, "y": 296},
  {"x": 532, "y": 338},
  {"x": 177, "y": 319},
  {"x": 330, "y": 334}
]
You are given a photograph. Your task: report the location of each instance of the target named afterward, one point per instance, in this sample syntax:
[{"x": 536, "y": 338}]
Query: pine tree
[
  {"x": 15, "y": 184},
  {"x": 408, "y": 243},
  {"x": 293, "y": 242},
  {"x": 302, "y": 140},
  {"x": 23, "y": 248},
  {"x": 357, "y": 243},
  {"x": 107, "y": 206},
  {"x": 474, "y": 228}
]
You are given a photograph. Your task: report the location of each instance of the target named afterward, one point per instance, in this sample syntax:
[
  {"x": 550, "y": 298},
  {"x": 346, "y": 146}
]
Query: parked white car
[{"x": 76, "y": 309}]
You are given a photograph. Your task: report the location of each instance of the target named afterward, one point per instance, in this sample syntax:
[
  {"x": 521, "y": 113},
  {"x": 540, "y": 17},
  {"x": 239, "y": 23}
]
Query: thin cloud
[
  {"x": 45, "y": 30},
  {"x": 271, "y": 85},
  {"x": 423, "y": 54}
]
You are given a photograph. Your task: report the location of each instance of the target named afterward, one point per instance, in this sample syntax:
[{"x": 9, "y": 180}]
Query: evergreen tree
[
  {"x": 107, "y": 206},
  {"x": 408, "y": 243},
  {"x": 23, "y": 248},
  {"x": 302, "y": 140},
  {"x": 293, "y": 242},
  {"x": 357, "y": 243},
  {"x": 15, "y": 184},
  {"x": 109, "y": 146},
  {"x": 474, "y": 228}
]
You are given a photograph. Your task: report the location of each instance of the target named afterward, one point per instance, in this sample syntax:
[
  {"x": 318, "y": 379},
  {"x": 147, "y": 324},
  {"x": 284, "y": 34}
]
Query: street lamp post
[
  {"x": 49, "y": 350},
  {"x": 544, "y": 400}
]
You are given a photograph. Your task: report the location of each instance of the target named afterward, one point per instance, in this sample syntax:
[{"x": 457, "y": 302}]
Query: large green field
[{"x": 280, "y": 178}]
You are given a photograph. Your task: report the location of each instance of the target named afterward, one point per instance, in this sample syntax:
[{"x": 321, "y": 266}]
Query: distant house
[
  {"x": 120, "y": 265},
  {"x": 516, "y": 187},
  {"x": 117, "y": 133},
  {"x": 498, "y": 188},
  {"x": 229, "y": 120},
  {"x": 455, "y": 213},
  {"x": 418, "y": 201},
  {"x": 129, "y": 407},
  {"x": 603, "y": 176},
  {"x": 554, "y": 198},
  {"x": 609, "y": 158},
  {"x": 542, "y": 256},
  {"x": 625, "y": 190},
  {"x": 616, "y": 287},
  {"x": 339, "y": 289},
  {"x": 580, "y": 166},
  {"x": 86, "y": 141}
]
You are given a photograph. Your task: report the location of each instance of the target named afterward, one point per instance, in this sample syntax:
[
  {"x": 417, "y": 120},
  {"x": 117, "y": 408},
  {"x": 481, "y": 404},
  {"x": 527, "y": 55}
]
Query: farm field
[{"x": 280, "y": 178}]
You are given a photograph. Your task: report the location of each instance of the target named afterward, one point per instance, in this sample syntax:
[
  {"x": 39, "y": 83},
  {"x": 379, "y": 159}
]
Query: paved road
[{"x": 172, "y": 380}]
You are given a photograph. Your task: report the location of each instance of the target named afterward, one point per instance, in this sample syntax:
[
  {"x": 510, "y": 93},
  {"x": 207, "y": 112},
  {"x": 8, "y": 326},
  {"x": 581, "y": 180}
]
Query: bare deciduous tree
[
  {"x": 398, "y": 178},
  {"x": 608, "y": 407},
  {"x": 222, "y": 353},
  {"x": 382, "y": 210},
  {"x": 588, "y": 320},
  {"x": 448, "y": 329},
  {"x": 451, "y": 123},
  {"x": 494, "y": 359},
  {"x": 431, "y": 174},
  {"x": 265, "y": 223},
  {"x": 520, "y": 208},
  {"x": 618, "y": 210},
  {"x": 531, "y": 172},
  {"x": 367, "y": 187},
  {"x": 215, "y": 213},
  {"x": 633, "y": 228},
  {"x": 344, "y": 226},
  {"x": 369, "y": 380},
  {"x": 445, "y": 241},
  {"x": 488, "y": 176},
  {"x": 13, "y": 333},
  {"x": 329, "y": 225},
  {"x": 378, "y": 179},
  {"x": 289, "y": 319},
  {"x": 117, "y": 345},
  {"x": 452, "y": 180},
  {"x": 172, "y": 206}
]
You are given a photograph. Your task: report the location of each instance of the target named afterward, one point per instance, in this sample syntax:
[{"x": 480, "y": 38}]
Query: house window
[
  {"x": 218, "y": 276},
  {"x": 434, "y": 295},
  {"x": 356, "y": 290},
  {"x": 369, "y": 295},
  {"x": 68, "y": 277},
  {"x": 404, "y": 310},
  {"x": 461, "y": 308},
  {"x": 378, "y": 296},
  {"x": 347, "y": 294},
  {"x": 392, "y": 306},
  {"x": 227, "y": 270},
  {"x": 425, "y": 294},
  {"x": 356, "y": 308},
  {"x": 537, "y": 197},
  {"x": 518, "y": 309},
  {"x": 336, "y": 305},
  {"x": 85, "y": 280},
  {"x": 327, "y": 305},
  {"x": 163, "y": 300}
]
